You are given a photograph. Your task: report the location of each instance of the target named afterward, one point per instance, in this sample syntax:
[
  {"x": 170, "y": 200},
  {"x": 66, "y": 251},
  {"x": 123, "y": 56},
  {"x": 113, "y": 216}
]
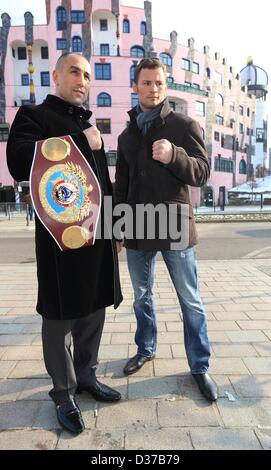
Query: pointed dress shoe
[
  {"x": 99, "y": 391},
  {"x": 207, "y": 386},
  {"x": 135, "y": 363},
  {"x": 69, "y": 416}
]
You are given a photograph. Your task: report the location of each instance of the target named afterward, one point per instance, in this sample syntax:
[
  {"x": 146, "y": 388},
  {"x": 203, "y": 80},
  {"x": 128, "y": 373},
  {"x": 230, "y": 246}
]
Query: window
[
  {"x": 78, "y": 16},
  {"x": 166, "y": 59},
  {"x": 103, "y": 25},
  {"x": 248, "y": 112},
  {"x": 200, "y": 108},
  {"x": 134, "y": 99},
  {"x": 223, "y": 164},
  {"x": 143, "y": 28},
  {"x": 222, "y": 140},
  {"x": 195, "y": 67},
  {"x": 232, "y": 106},
  {"x": 21, "y": 53},
  {"x": 13, "y": 52},
  {"x": 44, "y": 78},
  {"x": 185, "y": 64},
  {"x": 111, "y": 158},
  {"x": 217, "y": 136},
  {"x": 132, "y": 74},
  {"x": 104, "y": 126},
  {"x": 241, "y": 110},
  {"x": 241, "y": 128},
  {"x": 242, "y": 167},
  {"x": 25, "y": 79},
  {"x": 260, "y": 135},
  {"x": 219, "y": 120},
  {"x": 126, "y": 26},
  {"x": 172, "y": 105},
  {"x": 61, "y": 19},
  {"x": 248, "y": 131},
  {"x": 137, "y": 51},
  {"x": 4, "y": 131},
  {"x": 104, "y": 49},
  {"x": 44, "y": 52},
  {"x": 208, "y": 72},
  {"x": 76, "y": 44},
  {"x": 219, "y": 99},
  {"x": 61, "y": 44},
  {"x": 229, "y": 84},
  {"x": 103, "y": 100},
  {"x": 103, "y": 71},
  {"x": 170, "y": 79},
  {"x": 218, "y": 78}
]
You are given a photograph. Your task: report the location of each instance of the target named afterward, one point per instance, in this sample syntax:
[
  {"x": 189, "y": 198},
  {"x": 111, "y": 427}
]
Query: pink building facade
[{"x": 114, "y": 37}]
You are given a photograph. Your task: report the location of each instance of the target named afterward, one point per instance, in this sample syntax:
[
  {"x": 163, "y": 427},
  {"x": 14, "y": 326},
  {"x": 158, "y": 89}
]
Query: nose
[
  {"x": 154, "y": 87},
  {"x": 81, "y": 79}
]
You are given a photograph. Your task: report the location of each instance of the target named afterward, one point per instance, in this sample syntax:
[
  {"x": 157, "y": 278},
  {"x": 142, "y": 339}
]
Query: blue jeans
[{"x": 181, "y": 265}]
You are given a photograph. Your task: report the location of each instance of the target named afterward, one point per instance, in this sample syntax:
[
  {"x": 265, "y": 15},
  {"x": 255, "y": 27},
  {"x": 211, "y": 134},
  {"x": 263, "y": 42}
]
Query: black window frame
[
  {"x": 42, "y": 78},
  {"x": 25, "y": 77},
  {"x": 102, "y": 70},
  {"x": 78, "y": 17},
  {"x": 105, "y": 46},
  {"x": 22, "y": 54},
  {"x": 100, "y": 124},
  {"x": 44, "y": 52},
  {"x": 103, "y": 24}
]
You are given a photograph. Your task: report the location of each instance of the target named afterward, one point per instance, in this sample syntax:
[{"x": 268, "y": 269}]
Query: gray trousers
[{"x": 65, "y": 369}]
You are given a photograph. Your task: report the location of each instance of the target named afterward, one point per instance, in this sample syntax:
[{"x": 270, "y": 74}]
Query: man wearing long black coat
[{"x": 76, "y": 285}]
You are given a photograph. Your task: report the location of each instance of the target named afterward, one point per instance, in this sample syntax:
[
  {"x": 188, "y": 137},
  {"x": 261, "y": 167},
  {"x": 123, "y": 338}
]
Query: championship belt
[{"x": 65, "y": 192}]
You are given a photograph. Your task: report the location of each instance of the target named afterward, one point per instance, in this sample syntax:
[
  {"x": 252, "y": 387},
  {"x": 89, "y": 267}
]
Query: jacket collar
[{"x": 71, "y": 109}]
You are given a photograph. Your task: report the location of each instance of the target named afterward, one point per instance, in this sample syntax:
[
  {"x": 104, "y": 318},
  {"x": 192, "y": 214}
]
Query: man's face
[
  {"x": 72, "y": 79},
  {"x": 151, "y": 88}
]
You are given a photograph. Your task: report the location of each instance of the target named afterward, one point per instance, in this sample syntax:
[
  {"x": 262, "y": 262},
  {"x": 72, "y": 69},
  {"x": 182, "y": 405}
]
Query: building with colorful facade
[{"x": 114, "y": 37}]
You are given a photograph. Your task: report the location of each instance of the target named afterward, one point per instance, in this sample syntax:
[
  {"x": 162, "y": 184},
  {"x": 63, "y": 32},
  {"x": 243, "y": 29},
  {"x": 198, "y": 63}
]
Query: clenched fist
[
  {"x": 94, "y": 138},
  {"x": 162, "y": 151}
]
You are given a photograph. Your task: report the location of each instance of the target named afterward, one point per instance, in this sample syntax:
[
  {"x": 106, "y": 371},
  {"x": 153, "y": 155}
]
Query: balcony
[{"x": 187, "y": 89}]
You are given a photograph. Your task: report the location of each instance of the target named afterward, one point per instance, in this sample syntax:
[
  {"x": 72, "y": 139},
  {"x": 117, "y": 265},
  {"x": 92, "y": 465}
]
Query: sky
[{"x": 237, "y": 30}]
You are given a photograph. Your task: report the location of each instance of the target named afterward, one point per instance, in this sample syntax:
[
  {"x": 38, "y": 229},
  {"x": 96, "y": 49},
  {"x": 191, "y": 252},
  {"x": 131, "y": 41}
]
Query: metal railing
[{"x": 10, "y": 210}]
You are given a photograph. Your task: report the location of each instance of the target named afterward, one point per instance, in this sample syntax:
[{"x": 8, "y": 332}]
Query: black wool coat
[
  {"x": 72, "y": 283},
  {"x": 141, "y": 180}
]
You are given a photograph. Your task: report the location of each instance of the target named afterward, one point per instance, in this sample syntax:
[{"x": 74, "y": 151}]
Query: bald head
[
  {"x": 64, "y": 57},
  {"x": 72, "y": 78}
]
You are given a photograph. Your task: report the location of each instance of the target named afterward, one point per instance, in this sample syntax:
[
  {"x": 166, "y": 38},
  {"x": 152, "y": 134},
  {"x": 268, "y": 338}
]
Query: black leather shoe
[
  {"x": 135, "y": 363},
  {"x": 99, "y": 391},
  {"x": 69, "y": 416},
  {"x": 207, "y": 386}
]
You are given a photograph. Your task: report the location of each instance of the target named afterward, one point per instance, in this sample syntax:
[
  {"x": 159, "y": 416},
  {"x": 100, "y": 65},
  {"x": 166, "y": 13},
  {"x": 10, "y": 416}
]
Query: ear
[
  {"x": 134, "y": 87},
  {"x": 55, "y": 76}
]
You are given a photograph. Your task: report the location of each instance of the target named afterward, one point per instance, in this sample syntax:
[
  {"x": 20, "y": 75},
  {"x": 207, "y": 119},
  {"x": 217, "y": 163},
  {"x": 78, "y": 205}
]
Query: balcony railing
[{"x": 187, "y": 89}]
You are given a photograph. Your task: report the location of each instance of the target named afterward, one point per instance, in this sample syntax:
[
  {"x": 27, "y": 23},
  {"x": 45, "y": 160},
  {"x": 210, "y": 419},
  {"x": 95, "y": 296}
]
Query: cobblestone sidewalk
[{"x": 161, "y": 406}]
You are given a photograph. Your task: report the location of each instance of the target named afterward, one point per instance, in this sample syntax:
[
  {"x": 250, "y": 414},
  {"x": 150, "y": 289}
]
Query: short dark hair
[
  {"x": 64, "y": 56},
  {"x": 148, "y": 64}
]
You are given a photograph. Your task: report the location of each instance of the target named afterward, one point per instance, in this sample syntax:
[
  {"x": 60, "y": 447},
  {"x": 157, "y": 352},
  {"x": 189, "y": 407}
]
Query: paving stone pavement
[{"x": 161, "y": 406}]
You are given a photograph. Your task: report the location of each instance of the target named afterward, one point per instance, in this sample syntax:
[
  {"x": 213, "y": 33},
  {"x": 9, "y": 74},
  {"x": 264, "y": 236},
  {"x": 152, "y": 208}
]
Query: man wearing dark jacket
[
  {"x": 76, "y": 285},
  {"x": 159, "y": 154}
]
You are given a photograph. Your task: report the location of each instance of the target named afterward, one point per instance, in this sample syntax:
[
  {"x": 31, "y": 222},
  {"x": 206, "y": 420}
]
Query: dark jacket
[
  {"x": 142, "y": 180},
  {"x": 72, "y": 283}
]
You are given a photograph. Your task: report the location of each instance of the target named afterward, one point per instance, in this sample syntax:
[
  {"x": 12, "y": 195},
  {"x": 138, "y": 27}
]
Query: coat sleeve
[
  {"x": 190, "y": 163},
  {"x": 122, "y": 177},
  {"x": 25, "y": 131}
]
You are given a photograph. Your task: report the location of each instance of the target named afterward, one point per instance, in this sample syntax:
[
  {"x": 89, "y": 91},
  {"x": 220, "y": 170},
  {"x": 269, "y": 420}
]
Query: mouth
[{"x": 79, "y": 92}]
